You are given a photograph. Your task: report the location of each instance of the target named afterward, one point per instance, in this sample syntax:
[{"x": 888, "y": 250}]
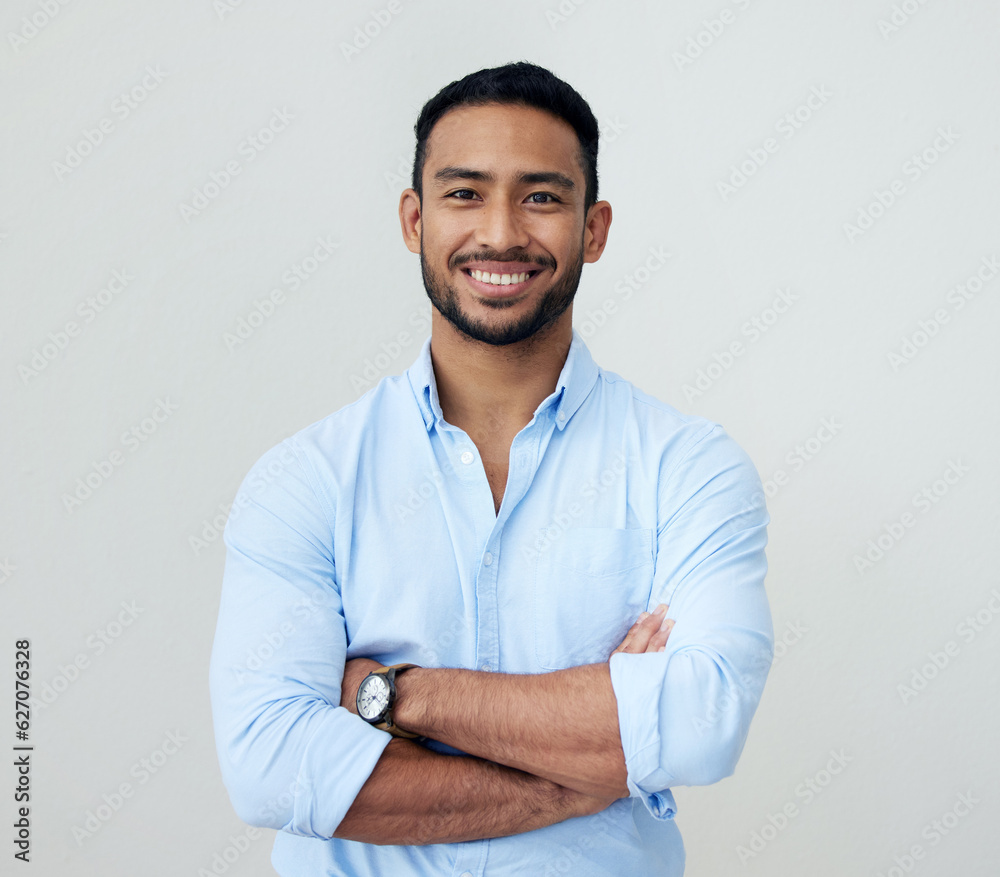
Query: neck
[{"x": 483, "y": 388}]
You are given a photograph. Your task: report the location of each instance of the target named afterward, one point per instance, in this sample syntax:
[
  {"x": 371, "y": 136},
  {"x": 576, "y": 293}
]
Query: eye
[
  {"x": 548, "y": 197},
  {"x": 462, "y": 194}
]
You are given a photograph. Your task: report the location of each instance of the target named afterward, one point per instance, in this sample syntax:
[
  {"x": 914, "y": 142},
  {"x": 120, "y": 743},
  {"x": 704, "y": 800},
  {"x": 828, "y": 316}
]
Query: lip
[{"x": 509, "y": 291}]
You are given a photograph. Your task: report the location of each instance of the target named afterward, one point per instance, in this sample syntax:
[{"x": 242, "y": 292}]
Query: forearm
[
  {"x": 562, "y": 726},
  {"x": 415, "y": 796}
]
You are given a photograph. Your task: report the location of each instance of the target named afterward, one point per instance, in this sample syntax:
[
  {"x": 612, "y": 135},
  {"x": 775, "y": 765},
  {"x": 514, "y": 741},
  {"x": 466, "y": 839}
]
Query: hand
[
  {"x": 355, "y": 671},
  {"x": 648, "y": 634}
]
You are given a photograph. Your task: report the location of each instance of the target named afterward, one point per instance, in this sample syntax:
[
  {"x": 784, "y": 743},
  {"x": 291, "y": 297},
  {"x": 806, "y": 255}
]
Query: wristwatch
[{"x": 376, "y": 697}]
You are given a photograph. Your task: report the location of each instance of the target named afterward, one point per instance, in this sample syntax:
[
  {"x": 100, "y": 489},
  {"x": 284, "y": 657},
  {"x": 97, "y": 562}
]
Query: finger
[
  {"x": 626, "y": 643},
  {"x": 658, "y": 642},
  {"x": 637, "y": 639}
]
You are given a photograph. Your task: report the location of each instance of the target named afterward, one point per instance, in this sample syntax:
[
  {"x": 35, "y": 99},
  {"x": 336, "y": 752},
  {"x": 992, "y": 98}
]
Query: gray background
[{"x": 680, "y": 106}]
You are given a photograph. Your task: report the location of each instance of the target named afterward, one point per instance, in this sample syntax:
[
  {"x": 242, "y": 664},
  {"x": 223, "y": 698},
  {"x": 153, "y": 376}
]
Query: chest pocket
[{"x": 591, "y": 583}]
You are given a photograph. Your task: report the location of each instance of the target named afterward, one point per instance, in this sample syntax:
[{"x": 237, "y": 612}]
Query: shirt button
[
  {"x": 561, "y": 416},
  {"x": 466, "y": 874},
  {"x": 487, "y": 667},
  {"x": 467, "y": 457},
  {"x": 487, "y": 559}
]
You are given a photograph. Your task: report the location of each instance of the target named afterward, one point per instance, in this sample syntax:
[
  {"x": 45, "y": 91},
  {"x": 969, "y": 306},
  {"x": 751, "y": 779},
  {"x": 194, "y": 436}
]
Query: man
[{"x": 497, "y": 516}]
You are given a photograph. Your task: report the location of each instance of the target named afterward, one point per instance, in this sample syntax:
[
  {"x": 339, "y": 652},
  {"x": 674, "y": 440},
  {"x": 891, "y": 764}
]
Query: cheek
[
  {"x": 440, "y": 241},
  {"x": 558, "y": 238}
]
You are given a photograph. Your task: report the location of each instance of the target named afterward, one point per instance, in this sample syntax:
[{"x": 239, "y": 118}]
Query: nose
[{"x": 501, "y": 227}]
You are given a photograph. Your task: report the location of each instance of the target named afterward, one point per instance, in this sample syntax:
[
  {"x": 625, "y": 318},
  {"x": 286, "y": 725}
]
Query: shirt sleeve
[
  {"x": 684, "y": 713},
  {"x": 291, "y": 757}
]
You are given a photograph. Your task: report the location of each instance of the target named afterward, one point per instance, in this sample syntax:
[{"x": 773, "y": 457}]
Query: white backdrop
[{"x": 200, "y": 255}]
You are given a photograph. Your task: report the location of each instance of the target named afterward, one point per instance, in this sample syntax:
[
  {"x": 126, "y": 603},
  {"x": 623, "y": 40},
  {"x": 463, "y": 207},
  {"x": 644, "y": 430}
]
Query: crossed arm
[{"x": 545, "y": 748}]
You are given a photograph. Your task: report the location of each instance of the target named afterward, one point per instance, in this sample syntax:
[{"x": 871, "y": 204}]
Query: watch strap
[
  {"x": 390, "y": 672},
  {"x": 387, "y": 724}
]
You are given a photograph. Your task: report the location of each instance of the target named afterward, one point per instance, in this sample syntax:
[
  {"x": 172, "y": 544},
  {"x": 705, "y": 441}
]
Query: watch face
[{"x": 373, "y": 697}]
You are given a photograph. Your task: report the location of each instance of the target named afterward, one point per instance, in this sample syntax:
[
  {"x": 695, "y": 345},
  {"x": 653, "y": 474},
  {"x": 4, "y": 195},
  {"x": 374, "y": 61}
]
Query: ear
[
  {"x": 595, "y": 232},
  {"x": 409, "y": 219}
]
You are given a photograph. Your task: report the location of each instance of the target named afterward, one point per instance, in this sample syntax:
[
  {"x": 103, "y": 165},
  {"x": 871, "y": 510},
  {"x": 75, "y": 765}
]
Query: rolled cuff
[
  {"x": 339, "y": 760},
  {"x": 638, "y": 719},
  {"x": 311, "y": 800}
]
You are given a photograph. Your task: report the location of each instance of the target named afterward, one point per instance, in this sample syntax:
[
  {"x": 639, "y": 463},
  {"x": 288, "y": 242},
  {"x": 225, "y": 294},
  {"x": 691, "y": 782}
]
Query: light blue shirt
[{"x": 373, "y": 533}]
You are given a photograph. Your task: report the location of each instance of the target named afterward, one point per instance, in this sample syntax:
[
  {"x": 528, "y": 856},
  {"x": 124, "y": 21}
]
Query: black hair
[{"x": 521, "y": 84}]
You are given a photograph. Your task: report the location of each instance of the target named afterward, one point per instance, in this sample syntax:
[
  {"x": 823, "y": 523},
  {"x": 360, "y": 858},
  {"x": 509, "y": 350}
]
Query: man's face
[{"x": 501, "y": 224}]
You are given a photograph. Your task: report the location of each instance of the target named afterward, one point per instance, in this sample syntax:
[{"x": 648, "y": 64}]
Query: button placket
[{"x": 489, "y": 622}]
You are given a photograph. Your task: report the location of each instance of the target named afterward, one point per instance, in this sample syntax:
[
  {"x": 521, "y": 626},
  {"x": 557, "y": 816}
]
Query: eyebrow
[{"x": 548, "y": 178}]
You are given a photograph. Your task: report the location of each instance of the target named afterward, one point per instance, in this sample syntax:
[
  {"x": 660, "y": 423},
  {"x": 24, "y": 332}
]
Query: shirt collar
[{"x": 576, "y": 380}]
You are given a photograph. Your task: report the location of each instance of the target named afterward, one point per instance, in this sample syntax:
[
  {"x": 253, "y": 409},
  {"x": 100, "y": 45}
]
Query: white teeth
[{"x": 499, "y": 279}]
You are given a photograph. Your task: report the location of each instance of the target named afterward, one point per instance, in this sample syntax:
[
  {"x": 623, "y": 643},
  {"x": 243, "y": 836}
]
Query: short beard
[{"x": 551, "y": 306}]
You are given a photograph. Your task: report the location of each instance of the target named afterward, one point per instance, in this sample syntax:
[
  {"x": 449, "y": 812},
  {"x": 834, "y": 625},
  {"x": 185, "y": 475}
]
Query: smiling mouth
[{"x": 494, "y": 279}]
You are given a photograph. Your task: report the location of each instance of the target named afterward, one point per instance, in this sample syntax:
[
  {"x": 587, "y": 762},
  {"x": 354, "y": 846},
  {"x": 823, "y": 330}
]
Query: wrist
[
  {"x": 376, "y": 699},
  {"x": 575, "y": 803},
  {"x": 408, "y": 709}
]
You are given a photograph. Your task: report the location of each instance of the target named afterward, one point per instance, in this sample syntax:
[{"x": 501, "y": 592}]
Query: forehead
[{"x": 504, "y": 137}]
